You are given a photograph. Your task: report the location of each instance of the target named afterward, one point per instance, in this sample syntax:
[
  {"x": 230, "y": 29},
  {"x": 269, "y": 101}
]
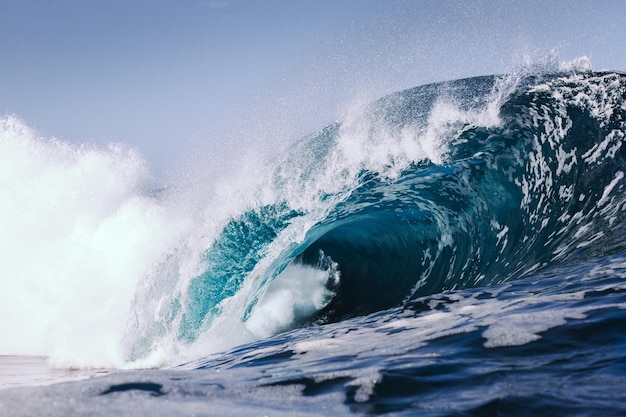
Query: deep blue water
[{"x": 461, "y": 250}]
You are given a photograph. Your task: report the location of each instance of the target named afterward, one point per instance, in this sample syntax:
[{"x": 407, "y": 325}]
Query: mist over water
[{"x": 80, "y": 230}]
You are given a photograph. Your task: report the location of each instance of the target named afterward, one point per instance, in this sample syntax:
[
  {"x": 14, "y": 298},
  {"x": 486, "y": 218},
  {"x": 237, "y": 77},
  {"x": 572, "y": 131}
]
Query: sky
[{"x": 178, "y": 78}]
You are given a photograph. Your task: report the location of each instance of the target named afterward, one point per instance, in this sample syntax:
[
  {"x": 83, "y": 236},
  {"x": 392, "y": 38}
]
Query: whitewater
[{"x": 451, "y": 249}]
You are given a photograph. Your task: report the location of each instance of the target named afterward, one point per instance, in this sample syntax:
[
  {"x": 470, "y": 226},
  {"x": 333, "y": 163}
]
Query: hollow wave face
[
  {"x": 447, "y": 186},
  {"x": 542, "y": 187}
]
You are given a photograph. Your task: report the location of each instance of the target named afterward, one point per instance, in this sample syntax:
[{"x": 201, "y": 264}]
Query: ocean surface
[{"x": 454, "y": 249}]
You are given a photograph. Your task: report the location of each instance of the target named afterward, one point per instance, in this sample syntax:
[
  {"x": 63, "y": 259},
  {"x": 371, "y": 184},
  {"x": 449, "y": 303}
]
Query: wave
[
  {"x": 446, "y": 186},
  {"x": 542, "y": 187}
]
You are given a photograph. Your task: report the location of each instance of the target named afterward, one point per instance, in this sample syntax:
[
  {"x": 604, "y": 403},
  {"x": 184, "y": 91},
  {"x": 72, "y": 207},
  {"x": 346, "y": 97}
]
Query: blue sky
[{"x": 179, "y": 77}]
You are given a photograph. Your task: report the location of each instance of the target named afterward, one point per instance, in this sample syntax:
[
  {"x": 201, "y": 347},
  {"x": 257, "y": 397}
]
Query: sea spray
[{"x": 79, "y": 231}]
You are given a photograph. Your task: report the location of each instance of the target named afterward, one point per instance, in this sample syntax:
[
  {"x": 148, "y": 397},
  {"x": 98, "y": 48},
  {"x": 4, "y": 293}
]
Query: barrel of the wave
[{"x": 543, "y": 186}]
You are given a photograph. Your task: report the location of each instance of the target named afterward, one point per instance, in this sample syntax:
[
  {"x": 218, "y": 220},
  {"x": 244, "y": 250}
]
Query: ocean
[{"x": 454, "y": 249}]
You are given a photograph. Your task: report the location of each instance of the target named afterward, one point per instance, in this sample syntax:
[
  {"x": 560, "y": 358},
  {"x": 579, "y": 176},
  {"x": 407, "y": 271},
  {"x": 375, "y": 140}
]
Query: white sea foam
[
  {"x": 297, "y": 293},
  {"x": 78, "y": 233}
]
